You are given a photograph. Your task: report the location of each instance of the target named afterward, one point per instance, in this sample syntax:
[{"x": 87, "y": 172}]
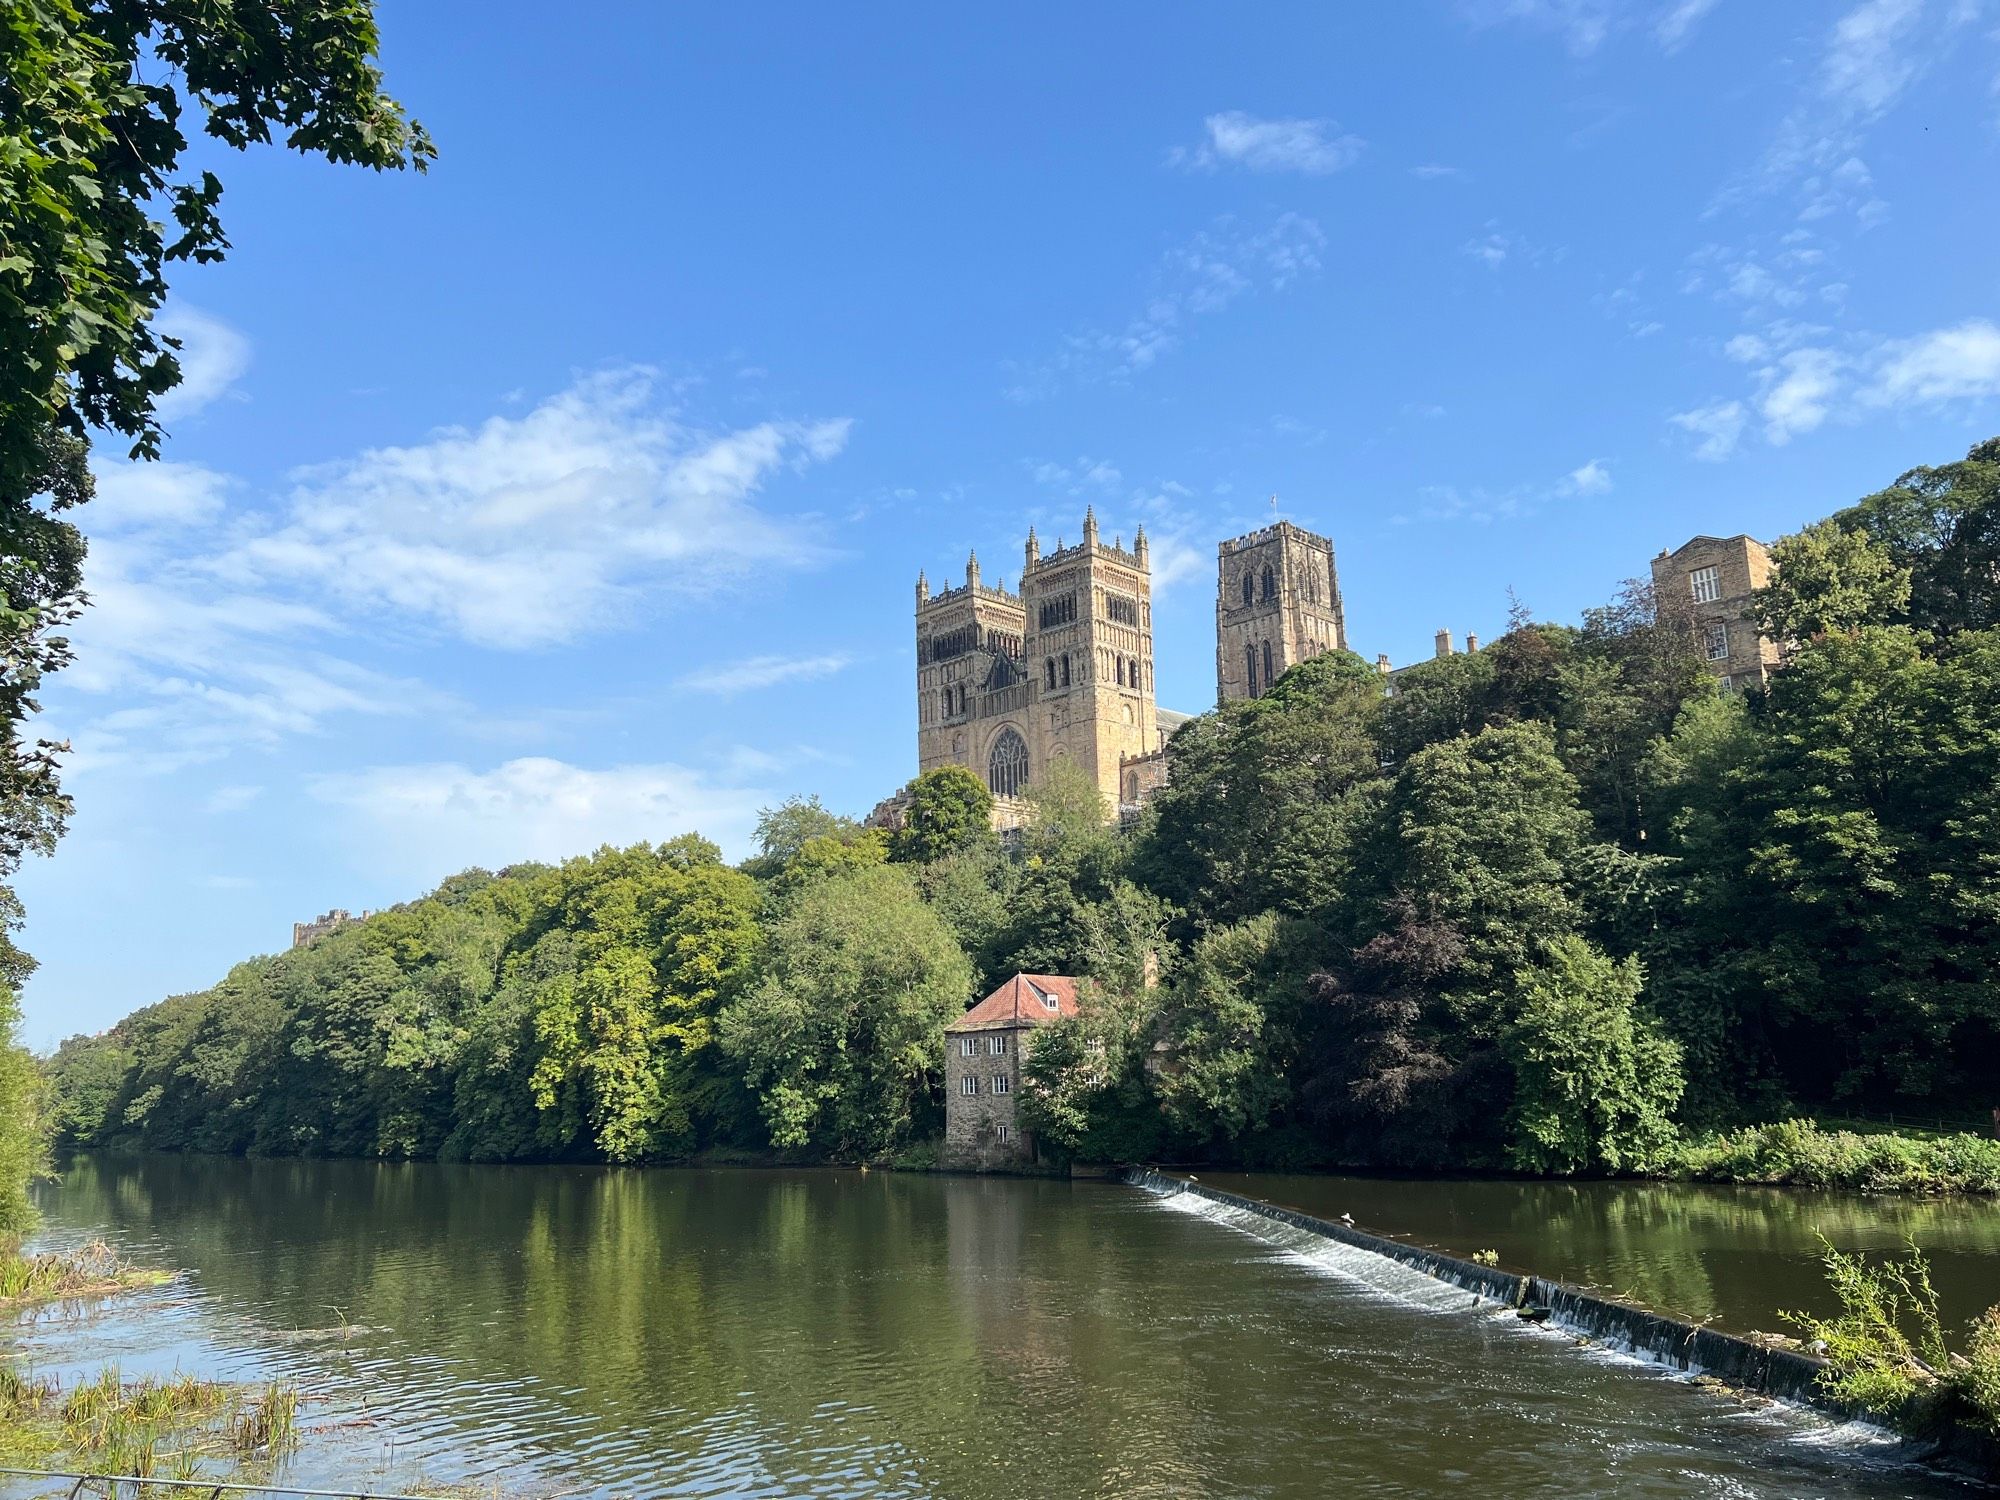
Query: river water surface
[{"x": 601, "y": 1332}]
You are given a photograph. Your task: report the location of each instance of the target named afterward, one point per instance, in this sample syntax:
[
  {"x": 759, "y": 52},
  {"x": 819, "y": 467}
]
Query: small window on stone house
[
  {"x": 1718, "y": 641},
  {"x": 969, "y": 1085},
  {"x": 1001, "y": 1133},
  {"x": 1002, "y": 1084},
  {"x": 968, "y": 1046},
  {"x": 1706, "y": 585},
  {"x": 998, "y": 1046}
]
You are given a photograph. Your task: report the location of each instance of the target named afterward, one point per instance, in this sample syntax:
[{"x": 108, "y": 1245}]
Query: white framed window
[
  {"x": 968, "y": 1046},
  {"x": 1706, "y": 585},
  {"x": 998, "y": 1046},
  {"x": 969, "y": 1085},
  {"x": 1728, "y": 684},
  {"x": 1001, "y": 1132},
  {"x": 1002, "y": 1084},
  {"x": 1718, "y": 642}
]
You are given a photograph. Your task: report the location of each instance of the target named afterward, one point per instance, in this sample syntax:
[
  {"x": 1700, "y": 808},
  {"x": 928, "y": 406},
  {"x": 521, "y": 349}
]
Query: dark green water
[
  {"x": 1738, "y": 1257},
  {"x": 829, "y": 1333}
]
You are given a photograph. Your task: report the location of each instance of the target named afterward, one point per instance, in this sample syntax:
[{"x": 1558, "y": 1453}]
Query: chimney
[
  {"x": 972, "y": 570},
  {"x": 1444, "y": 643},
  {"x": 1382, "y": 663},
  {"x": 1471, "y": 642}
]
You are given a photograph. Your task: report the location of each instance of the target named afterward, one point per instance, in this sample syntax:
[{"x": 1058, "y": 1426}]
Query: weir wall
[{"x": 1782, "y": 1373}]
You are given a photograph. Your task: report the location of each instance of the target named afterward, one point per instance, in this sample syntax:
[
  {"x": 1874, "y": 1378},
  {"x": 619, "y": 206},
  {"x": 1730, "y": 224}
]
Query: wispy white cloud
[
  {"x": 1801, "y": 385},
  {"x": 430, "y": 820},
  {"x": 164, "y": 494},
  {"x": 1084, "y": 473},
  {"x": 755, "y": 672},
  {"x": 229, "y": 799},
  {"x": 1195, "y": 279},
  {"x": 1497, "y": 246},
  {"x": 1960, "y": 363},
  {"x": 1716, "y": 428},
  {"x": 1233, "y": 138},
  {"x": 1592, "y": 478},
  {"x": 531, "y": 530},
  {"x": 213, "y": 357},
  {"x": 1675, "y": 26}
]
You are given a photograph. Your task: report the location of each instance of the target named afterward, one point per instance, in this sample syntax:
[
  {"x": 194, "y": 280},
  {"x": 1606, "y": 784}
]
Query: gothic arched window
[
  {"x": 1270, "y": 583},
  {"x": 1065, "y": 669},
  {"x": 947, "y": 703},
  {"x": 1049, "y": 672},
  {"x": 1267, "y": 664},
  {"x": 1250, "y": 667},
  {"x": 961, "y": 699},
  {"x": 1249, "y": 587},
  {"x": 1007, "y": 767},
  {"x": 1121, "y": 671}
]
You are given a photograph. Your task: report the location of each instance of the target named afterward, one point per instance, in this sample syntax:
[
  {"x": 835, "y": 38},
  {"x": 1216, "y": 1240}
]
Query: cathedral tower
[
  {"x": 1277, "y": 603},
  {"x": 1007, "y": 684}
]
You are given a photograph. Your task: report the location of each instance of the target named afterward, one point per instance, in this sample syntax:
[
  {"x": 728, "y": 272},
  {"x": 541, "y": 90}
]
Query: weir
[{"x": 1689, "y": 1348}]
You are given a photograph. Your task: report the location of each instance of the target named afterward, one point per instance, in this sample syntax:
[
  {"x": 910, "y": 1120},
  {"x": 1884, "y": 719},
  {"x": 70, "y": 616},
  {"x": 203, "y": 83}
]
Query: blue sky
[{"x": 576, "y": 492}]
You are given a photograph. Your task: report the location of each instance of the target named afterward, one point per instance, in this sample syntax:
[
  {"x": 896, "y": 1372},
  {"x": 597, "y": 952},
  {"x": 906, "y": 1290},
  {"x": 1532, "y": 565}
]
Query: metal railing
[{"x": 215, "y": 1488}]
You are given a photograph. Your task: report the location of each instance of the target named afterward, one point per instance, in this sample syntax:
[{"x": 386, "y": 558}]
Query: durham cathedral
[{"x": 1010, "y": 683}]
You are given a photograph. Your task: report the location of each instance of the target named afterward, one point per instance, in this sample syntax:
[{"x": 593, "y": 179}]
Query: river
[{"x": 604, "y": 1332}]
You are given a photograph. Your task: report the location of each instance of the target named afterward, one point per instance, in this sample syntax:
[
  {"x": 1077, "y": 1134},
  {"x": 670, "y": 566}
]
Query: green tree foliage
[
  {"x": 1491, "y": 913},
  {"x": 1942, "y": 524},
  {"x": 949, "y": 810},
  {"x": 840, "y": 1036},
  {"x": 94, "y": 207},
  {"x": 1826, "y": 581},
  {"x": 1595, "y": 1080},
  {"x": 21, "y": 1126}
]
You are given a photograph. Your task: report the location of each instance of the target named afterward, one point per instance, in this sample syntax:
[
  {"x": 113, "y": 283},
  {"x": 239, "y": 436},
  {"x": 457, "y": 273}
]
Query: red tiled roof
[{"x": 1021, "y": 1001}]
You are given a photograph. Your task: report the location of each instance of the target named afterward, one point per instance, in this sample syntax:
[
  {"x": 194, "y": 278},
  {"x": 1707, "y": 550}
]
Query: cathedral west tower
[{"x": 1008, "y": 684}]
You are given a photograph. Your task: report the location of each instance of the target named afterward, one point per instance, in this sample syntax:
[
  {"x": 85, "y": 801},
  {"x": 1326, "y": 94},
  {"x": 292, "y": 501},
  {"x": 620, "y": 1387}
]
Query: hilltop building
[
  {"x": 984, "y": 1051},
  {"x": 1713, "y": 578},
  {"x": 305, "y": 934},
  {"x": 1277, "y": 603},
  {"x": 1009, "y": 683}
]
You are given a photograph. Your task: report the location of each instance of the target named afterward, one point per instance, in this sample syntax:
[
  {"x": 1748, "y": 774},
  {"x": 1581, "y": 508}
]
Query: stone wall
[{"x": 974, "y": 1123}]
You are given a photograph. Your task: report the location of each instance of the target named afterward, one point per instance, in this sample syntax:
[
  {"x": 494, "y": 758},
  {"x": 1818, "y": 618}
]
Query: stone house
[
  {"x": 984, "y": 1050},
  {"x": 1712, "y": 579}
]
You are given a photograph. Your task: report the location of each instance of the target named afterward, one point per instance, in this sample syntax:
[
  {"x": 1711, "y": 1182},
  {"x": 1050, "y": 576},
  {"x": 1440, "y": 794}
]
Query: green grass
[
  {"x": 1802, "y": 1154},
  {"x": 181, "y": 1427},
  {"x": 94, "y": 1271}
]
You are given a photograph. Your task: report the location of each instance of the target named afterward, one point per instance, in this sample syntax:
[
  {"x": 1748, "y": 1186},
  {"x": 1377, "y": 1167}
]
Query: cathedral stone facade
[{"x": 1010, "y": 683}]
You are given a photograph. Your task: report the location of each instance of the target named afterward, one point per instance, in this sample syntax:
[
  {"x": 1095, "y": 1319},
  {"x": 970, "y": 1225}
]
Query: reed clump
[
  {"x": 179, "y": 1427},
  {"x": 94, "y": 1271}
]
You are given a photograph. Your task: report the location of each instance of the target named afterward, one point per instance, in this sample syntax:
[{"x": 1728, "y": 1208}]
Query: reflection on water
[
  {"x": 1736, "y": 1256},
  {"x": 831, "y": 1333}
]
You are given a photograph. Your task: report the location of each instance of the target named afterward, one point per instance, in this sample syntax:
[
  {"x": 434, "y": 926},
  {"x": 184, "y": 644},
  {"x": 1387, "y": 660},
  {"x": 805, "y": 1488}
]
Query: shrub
[{"x": 1798, "y": 1152}]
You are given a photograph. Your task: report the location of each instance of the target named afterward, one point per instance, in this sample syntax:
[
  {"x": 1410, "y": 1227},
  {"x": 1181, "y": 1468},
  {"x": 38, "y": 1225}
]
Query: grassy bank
[
  {"x": 1798, "y": 1153},
  {"x": 94, "y": 1271},
  {"x": 182, "y": 1428}
]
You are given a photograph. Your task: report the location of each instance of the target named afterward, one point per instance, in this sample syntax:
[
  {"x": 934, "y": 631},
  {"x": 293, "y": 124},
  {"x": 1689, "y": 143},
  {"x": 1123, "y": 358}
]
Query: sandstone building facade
[
  {"x": 305, "y": 934},
  {"x": 1712, "y": 578},
  {"x": 984, "y": 1051},
  {"x": 1277, "y": 603},
  {"x": 1010, "y": 683}
]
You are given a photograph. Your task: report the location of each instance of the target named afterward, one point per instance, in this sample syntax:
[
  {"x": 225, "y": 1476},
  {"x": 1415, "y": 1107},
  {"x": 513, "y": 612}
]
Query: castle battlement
[
  {"x": 1268, "y": 534},
  {"x": 968, "y": 591}
]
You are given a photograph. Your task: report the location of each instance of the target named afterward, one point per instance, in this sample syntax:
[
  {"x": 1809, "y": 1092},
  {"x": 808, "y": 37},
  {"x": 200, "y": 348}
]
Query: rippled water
[{"x": 832, "y": 1333}]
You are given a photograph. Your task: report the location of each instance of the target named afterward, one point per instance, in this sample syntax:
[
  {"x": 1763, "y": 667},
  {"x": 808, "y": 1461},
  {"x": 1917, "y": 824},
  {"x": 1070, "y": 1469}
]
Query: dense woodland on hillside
[{"x": 1559, "y": 905}]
